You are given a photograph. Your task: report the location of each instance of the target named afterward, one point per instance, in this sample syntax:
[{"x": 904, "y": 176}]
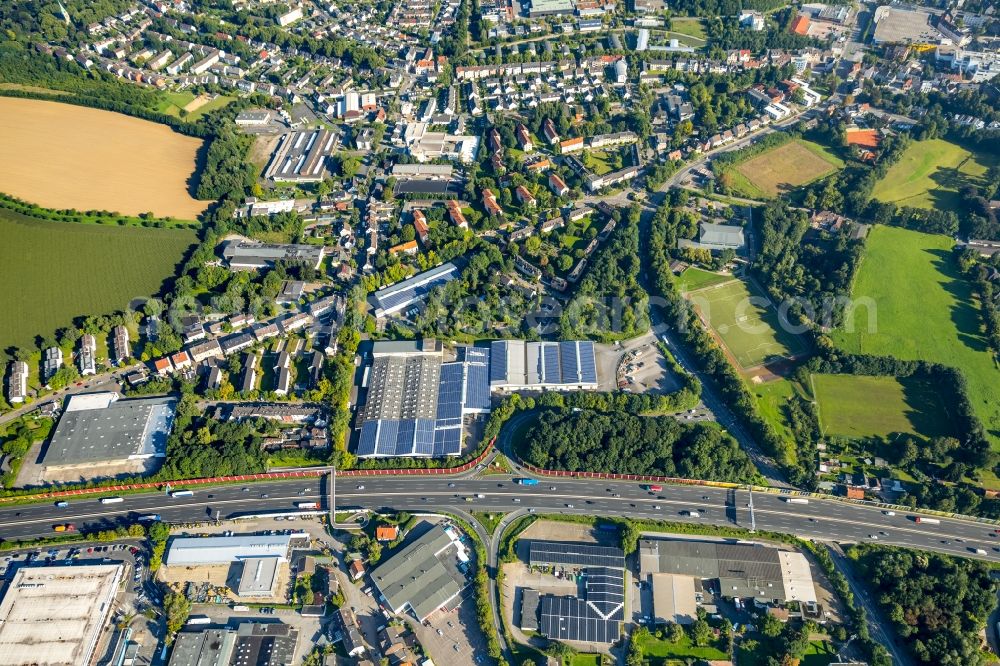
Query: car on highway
[
  {"x": 569, "y": 506},
  {"x": 451, "y": 485},
  {"x": 361, "y": 486},
  {"x": 874, "y": 537},
  {"x": 517, "y": 500},
  {"x": 889, "y": 513},
  {"x": 62, "y": 505}
]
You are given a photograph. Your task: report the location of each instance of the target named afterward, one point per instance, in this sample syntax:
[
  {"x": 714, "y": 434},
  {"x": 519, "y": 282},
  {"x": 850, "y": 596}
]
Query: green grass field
[
  {"x": 689, "y": 26},
  {"x": 658, "y": 651},
  {"x": 781, "y": 169},
  {"x": 174, "y": 102},
  {"x": 820, "y": 653},
  {"x": 931, "y": 173},
  {"x": 920, "y": 307},
  {"x": 857, "y": 407},
  {"x": 749, "y": 327},
  {"x": 695, "y": 278},
  {"x": 56, "y": 271},
  {"x": 771, "y": 398}
]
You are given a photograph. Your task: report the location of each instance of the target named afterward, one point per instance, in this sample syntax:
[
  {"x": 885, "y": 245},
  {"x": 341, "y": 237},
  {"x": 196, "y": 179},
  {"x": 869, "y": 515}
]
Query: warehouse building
[
  {"x": 99, "y": 429},
  {"x": 516, "y": 365},
  {"x": 56, "y": 615},
  {"x": 197, "y": 551},
  {"x": 402, "y": 295},
  {"x": 768, "y": 575},
  {"x": 248, "y": 255},
  {"x": 250, "y": 644},
  {"x": 416, "y": 405},
  {"x": 301, "y": 156},
  {"x": 595, "y": 615},
  {"x": 426, "y": 574}
]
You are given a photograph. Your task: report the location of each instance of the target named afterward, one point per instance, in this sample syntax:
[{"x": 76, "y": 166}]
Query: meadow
[
  {"x": 920, "y": 307},
  {"x": 56, "y": 271},
  {"x": 694, "y": 278},
  {"x": 860, "y": 406},
  {"x": 784, "y": 168},
  {"x": 748, "y": 324},
  {"x": 930, "y": 174},
  {"x": 65, "y": 156},
  {"x": 174, "y": 103}
]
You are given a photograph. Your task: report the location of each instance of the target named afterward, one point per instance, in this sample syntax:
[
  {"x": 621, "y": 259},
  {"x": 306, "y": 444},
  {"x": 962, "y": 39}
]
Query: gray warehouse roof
[
  {"x": 115, "y": 431},
  {"x": 743, "y": 570},
  {"x": 721, "y": 236},
  {"x": 424, "y": 575},
  {"x": 244, "y": 254},
  {"x": 222, "y": 550}
]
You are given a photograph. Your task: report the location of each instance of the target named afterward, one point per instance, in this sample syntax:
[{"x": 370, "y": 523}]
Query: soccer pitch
[{"x": 747, "y": 324}]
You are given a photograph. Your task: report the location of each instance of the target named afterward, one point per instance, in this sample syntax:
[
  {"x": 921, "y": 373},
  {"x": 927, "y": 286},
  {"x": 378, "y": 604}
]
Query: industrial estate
[{"x": 499, "y": 333}]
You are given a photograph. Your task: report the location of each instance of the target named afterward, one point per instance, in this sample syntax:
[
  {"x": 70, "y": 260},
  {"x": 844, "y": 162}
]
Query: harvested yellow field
[{"x": 65, "y": 156}]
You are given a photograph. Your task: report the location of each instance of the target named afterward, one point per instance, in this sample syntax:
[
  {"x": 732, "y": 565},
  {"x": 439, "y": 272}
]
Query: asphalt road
[{"x": 828, "y": 520}]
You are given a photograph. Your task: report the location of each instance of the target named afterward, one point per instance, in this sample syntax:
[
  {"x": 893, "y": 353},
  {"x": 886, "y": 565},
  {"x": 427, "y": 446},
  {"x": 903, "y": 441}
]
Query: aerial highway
[{"x": 820, "y": 519}]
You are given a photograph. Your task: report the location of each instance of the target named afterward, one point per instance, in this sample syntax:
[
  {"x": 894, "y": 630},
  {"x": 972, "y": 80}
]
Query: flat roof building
[
  {"x": 259, "y": 577},
  {"x": 595, "y": 615},
  {"x": 425, "y": 574},
  {"x": 301, "y": 156},
  {"x": 250, "y": 644},
  {"x": 416, "y": 405},
  {"x": 55, "y": 616},
  {"x": 900, "y": 25},
  {"x": 196, "y": 551},
  {"x": 100, "y": 429},
  {"x": 398, "y": 297},
  {"x": 518, "y": 365},
  {"x": 743, "y": 570},
  {"x": 248, "y": 255}
]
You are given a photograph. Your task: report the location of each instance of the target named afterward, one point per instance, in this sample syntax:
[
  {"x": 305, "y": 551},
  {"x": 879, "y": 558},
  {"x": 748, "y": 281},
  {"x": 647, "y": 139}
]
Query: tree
[
  {"x": 349, "y": 166},
  {"x": 177, "y": 608},
  {"x": 701, "y": 633}
]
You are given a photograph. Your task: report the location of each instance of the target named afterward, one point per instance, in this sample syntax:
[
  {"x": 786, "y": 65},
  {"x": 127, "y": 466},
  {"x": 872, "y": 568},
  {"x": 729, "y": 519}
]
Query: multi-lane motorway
[{"x": 829, "y": 520}]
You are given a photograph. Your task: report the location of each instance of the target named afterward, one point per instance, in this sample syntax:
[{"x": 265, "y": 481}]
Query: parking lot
[{"x": 452, "y": 636}]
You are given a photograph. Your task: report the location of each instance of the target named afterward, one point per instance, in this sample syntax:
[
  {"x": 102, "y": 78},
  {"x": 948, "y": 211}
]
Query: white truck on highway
[
  {"x": 797, "y": 500},
  {"x": 924, "y": 520}
]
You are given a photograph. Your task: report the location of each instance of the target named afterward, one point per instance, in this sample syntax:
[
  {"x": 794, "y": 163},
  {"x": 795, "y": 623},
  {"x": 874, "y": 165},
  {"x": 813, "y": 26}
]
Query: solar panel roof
[
  {"x": 572, "y": 619},
  {"x": 498, "y": 361},
  {"x": 477, "y": 387},
  {"x": 588, "y": 363},
  {"x": 574, "y": 554}
]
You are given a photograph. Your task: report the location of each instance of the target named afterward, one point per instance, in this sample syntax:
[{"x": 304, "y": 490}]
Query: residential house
[
  {"x": 120, "y": 344},
  {"x": 525, "y": 197},
  {"x": 86, "y": 358},
  {"x": 490, "y": 203},
  {"x": 17, "y": 382},
  {"x": 386, "y": 532},
  {"x": 162, "y": 366},
  {"x": 455, "y": 213},
  {"x": 52, "y": 360},
  {"x": 420, "y": 226},
  {"x": 409, "y": 248},
  {"x": 557, "y": 185}
]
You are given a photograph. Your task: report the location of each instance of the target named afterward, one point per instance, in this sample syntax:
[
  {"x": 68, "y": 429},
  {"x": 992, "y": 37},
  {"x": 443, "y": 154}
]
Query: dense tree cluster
[
  {"x": 614, "y": 442},
  {"x": 725, "y": 32},
  {"x": 721, "y": 7},
  {"x": 810, "y": 272},
  {"x": 610, "y": 303},
  {"x": 44, "y": 20},
  {"x": 936, "y": 603},
  {"x": 200, "y": 447}
]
